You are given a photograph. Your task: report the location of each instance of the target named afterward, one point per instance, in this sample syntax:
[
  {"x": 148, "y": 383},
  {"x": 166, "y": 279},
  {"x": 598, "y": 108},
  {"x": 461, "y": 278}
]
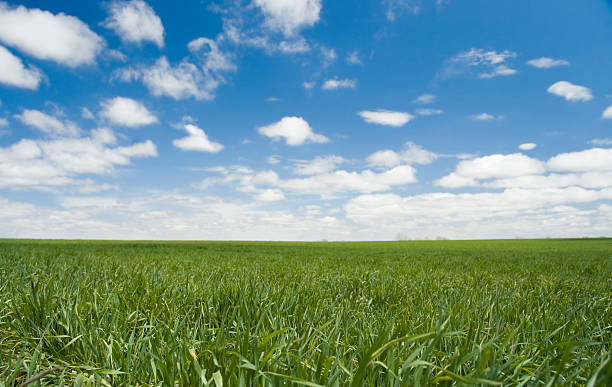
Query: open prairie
[{"x": 513, "y": 312}]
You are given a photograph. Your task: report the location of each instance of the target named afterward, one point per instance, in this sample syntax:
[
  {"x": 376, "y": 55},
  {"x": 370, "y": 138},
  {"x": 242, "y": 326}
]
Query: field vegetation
[{"x": 520, "y": 312}]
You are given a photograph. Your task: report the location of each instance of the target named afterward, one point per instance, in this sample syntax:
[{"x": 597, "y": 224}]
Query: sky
[{"x": 305, "y": 119}]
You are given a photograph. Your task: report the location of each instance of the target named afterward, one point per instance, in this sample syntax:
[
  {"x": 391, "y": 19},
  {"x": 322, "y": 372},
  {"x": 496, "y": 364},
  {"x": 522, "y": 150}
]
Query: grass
[{"x": 524, "y": 312}]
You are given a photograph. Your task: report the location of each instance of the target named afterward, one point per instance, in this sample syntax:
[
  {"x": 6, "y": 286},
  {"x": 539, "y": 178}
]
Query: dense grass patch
[{"x": 339, "y": 314}]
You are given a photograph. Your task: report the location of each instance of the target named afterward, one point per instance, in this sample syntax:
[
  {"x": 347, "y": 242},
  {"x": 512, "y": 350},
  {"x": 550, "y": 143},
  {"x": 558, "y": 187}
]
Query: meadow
[{"x": 513, "y": 312}]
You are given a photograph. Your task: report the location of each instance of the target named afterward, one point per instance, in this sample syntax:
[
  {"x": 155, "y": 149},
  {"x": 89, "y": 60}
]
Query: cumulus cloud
[
  {"x": 425, "y": 99},
  {"x": 179, "y": 82},
  {"x": 126, "y": 112},
  {"x": 290, "y": 16},
  {"x": 185, "y": 79},
  {"x": 270, "y": 195},
  {"x": 333, "y": 84},
  {"x": 607, "y": 114},
  {"x": 486, "y": 64},
  {"x": 571, "y": 92},
  {"x": 386, "y": 117},
  {"x": 595, "y": 159},
  {"x": 546, "y": 63},
  {"x": 61, "y": 38},
  {"x": 517, "y": 211},
  {"x": 555, "y": 180},
  {"x": 601, "y": 141},
  {"x": 527, "y": 146},
  {"x": 213, "y": 59},
  {"x": 318, "y": 165},
  {"x": 48, "y": 124},
  {"x": 295, "y": 131},
  {"x": 591, "y": 168},
  {"x": 164, "y": 215},
  {"x": 41, "y": 163},
  {"x": 14, "y": 73},
  {"x": 135, "y": 21},
  {"x": 468, "y": 172},
  {"x": 197, "y": 140},
  {"x": 325, "y": 184},
  {"x": 411, "y": 154},
  {"x": 339, "y": 181}
]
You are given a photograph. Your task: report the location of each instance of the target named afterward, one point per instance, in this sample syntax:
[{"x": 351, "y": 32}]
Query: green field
[{"x": 519, "y": 312}]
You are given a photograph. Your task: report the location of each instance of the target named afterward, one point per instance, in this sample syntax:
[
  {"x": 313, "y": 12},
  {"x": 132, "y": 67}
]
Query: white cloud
[
  {"x": 601, "y": 141},
  {"x": 396, "y": 8},
  {"x": 43, "y": 163},
  {"x": 273, "y": 159},
  {"x": 607, "y": 114},
  {"x": 340, "y": 181},
  {"x": 14, "y": 73},
  {"x": 213, "y": 59},
  {"x": 43, "y": 35},
  {"x": 3, "y": 122},
  {"x": 487, "y": 64},
  {"x": 126, "y": 112},
  {"x": 270, "y": 195},
  {"x": 501, "y": 70},
  {"x": 571, "y": 92},
  {"x": 386, "y": 117},
  {"x": 594, "y": 167},
  {"x": 179, "y": 82},
  {"x": 295, "y": 131},
  {"x": 290, "y": 16},
  {"x": 353, "y": 58},
  {"x": 116, "y": 54},
  {"x": 595, "y": 159},
  {"x": 318, "y": 165},
  {"x": 135, "y": 21},
  {"x": 164, "y": 215},
  {"x": 527, "y": 146},
  {"x": 468, "y": 172},
  {"x": 87, "y": 114},
  {"x": 425, "y": 99},
  {"x": 411, "y": 154},
  {"x": 329, "y": 56},
  {"x": 333, "y": 84},
  {"x": 429, "y": 112},
  {"x": 197, "y": 141},
  {"x": 309, "y": 85},
  {"x": 177, "y": 215},
  {"x": 185, "y": 79},
  {"x": 48, "y": 124},
  {"x": 325, "y": 184},
  {"x": 497, "y": 165},
  {"x": 546, "y": 63},
  {"x": 513, "y": 212},
  {"x": 297, "y": 46},
  {"x": 483, "y": 117},
  {"x": 553, "y": 180}
]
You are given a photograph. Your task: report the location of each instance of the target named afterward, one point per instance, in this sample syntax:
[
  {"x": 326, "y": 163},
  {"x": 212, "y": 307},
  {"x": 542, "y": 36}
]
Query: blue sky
[{"x": 305, "y": 119}]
